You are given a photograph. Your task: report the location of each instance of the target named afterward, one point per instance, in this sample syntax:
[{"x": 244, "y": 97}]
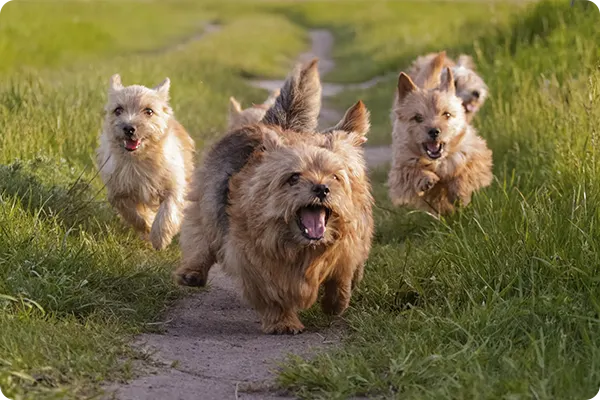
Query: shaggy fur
[
  {"x": 438, "y": 158},
  {"x": 145, "y": 159},
  {"x": 470, "y": 87},
  {"x": 251, "y": 115},
  {"x": 283, "y": 208}
]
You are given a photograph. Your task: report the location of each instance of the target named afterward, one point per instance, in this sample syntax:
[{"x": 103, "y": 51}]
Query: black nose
[
  {"x": 434, "y": 133},
  {"x": 129, "y": 130},
  {"x": 475, "y": 94},
  {"x": 321, "y": 191}
]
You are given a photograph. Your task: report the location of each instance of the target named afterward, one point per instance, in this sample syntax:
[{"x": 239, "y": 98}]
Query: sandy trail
[{"x": 212, "y": 347}]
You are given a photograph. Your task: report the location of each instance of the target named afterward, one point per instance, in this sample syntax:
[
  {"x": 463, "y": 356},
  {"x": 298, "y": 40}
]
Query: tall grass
[{"x": 503, "y": 299}]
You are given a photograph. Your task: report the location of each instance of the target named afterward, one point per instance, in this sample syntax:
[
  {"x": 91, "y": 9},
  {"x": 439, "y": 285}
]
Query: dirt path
[{"x": 212, "y": 347}]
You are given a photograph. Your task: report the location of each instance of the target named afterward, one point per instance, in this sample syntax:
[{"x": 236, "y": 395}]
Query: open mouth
[
  {"x": 132, "y": 145},
  {"x": 312, "y": 221},
  {"x": 470, "y": 108},
  {"x": 433, "y": 149}
]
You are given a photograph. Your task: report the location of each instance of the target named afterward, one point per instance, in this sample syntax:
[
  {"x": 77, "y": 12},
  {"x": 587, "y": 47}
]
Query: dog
[
  {"x": 470, "y": 87},
  {"x": 284, "y": 208},
  {"x": 239, "y": 117},
  {"x": 145, "y": 159},
  {"x": 438, "y": 158}
]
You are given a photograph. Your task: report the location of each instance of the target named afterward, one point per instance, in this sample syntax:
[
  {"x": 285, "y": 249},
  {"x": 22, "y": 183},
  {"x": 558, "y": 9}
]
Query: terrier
[
  {"x": 145, "y": 159},
  {"x": 284, "y": 208},
  {"x": 470, "y": 87},
  {"x": 251, "y": 115},
  {"x": 438, "y": 158}
]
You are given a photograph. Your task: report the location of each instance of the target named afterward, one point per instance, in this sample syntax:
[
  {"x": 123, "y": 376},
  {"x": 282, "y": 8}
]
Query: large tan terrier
[
  {"x": 239, "y": 117},
  {"x": 283, "y": 208},
  {"x": 470, "y": 87},
  {"x": 145, "y": 159},
  {"x": 438, "y": 158}
]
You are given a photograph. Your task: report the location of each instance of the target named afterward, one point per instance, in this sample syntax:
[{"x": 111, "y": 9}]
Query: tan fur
[
  {"x": 470, "y": 87},
  {"x": 246, "y": 200},
  {"x": 239, "y": 117},
  {"x": 465, "y": 164},
  {"x": 147, "y": 186}
]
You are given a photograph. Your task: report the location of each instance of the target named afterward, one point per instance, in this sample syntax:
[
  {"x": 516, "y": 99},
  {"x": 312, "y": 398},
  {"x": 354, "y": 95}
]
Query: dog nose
[
  {"x": 129, "y": 130},
  {"x": 434, "y": 133},
  {"x": 321, "y": 191},
  {"x": 475, "y": 94}
]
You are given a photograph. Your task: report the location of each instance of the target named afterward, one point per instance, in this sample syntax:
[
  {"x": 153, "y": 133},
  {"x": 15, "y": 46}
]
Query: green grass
[
  {"x": 499, "y": 301},
  {"x": 503, "y": 299}
]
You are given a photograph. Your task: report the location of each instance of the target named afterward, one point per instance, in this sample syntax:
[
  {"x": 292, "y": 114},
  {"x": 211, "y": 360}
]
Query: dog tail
[{"x": 298, "y": 105}]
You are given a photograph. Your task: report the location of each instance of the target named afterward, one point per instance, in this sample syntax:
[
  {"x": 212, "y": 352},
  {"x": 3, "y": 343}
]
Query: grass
[{"x": 499, "y": 301}]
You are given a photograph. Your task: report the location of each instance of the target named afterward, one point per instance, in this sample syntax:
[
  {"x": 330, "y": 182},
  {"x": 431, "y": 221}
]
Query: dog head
[
  {"x": 239, "y": 117},
  {"x": 433, "y": 118},
  {"x": 311, "y": 185},
  {"x": 137, "y": 116},
  {"x": 470, "y": 87}
]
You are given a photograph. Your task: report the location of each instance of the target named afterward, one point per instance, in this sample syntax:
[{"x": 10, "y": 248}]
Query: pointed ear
[
  {"x": 271, "y": 140},
  {"x": 115, "y": 83},
  {"x": 298, "y": 105},
  {"x": 272, "y": 98},
  {"x": 466, "y": 61},
  {"x": 234, "y": 106},
  {"x": 355, "y": 120},
  {"x": 163, "y": 88},
  {"x": 448, "y": 84},
  {"x": 405, "y": 86},
  {"x": 430, "y": 76}
]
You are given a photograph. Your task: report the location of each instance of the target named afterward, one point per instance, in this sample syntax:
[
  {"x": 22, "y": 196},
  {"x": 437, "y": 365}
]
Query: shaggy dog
[
  {"x": 251, "y": 115},
  {"x": 284, "y": 208},
  {"x": 469, "y": 86},
  {"x": 438, "y": 158},
  {"x": 145, "y": 159}
]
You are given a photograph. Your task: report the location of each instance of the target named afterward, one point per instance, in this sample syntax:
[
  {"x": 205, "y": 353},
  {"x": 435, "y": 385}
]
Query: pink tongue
[
  {"x": 132, "y": 144},
  {"x": 433, "y": 147},
  {"x": 470, "y": 107},
  {"x": 313, "y": 220}
]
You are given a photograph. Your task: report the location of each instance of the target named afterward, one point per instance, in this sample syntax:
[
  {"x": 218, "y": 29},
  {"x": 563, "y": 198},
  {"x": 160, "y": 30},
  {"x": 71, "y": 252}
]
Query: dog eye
[
  {"x": 336, "y": 178},
  {"x": 418, "y": 118},
  {"x": 118, "y": 111},
  {"x": 447, "y": 114},
  {"x": 293, "y": 179},
  {"x": 456, "y": 83},
  {"x": 149, "y": 112}
]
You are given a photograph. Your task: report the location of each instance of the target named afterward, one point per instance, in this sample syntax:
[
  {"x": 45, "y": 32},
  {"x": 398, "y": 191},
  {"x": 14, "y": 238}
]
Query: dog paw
[
  {"x": 190, "y": 278},
  {"x": 159, "y": 242},
  {"x": 287, "y": 327},
  {"x": 427, "y": 181}
]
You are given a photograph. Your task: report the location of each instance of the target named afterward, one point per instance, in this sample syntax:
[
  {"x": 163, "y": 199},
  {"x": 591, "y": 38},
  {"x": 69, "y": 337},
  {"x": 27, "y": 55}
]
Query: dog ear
[
  {"x": 466, "y": 61},
  {"x": 355, "y": 120},
  {"x": 430, "y": 76},
  {"x": 115, "y": 83},
  {"x": 297, "y": 106},
  {"x": 271, "y": 140},
  {"x": 234, "y": 107},
  {"x": 405, "y": 86},
  {"x": 163, "y": 89},
  {"x": 448, "y": 84}
]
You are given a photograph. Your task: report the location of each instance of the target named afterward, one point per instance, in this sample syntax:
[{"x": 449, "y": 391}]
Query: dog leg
[
  {"x": 277, "y": 320},
  {"x": 406, "y": 181},
  {"x": 196, "y": 255},
  {"x": 134, "y": 214},
  {"x": 336, "y": 298},
  {"x": 167, "y": 221}
]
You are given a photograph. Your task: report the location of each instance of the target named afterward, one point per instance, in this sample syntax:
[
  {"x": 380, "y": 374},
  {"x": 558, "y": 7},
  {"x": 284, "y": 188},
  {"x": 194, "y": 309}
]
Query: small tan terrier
[
  {"x": 438, "y": 158},
  {"x": 284, "y": 208},
  {"x": 145, "y": 159},
  {"x": 470, "y": 87},
  {"x": 239, "y": 117}
]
